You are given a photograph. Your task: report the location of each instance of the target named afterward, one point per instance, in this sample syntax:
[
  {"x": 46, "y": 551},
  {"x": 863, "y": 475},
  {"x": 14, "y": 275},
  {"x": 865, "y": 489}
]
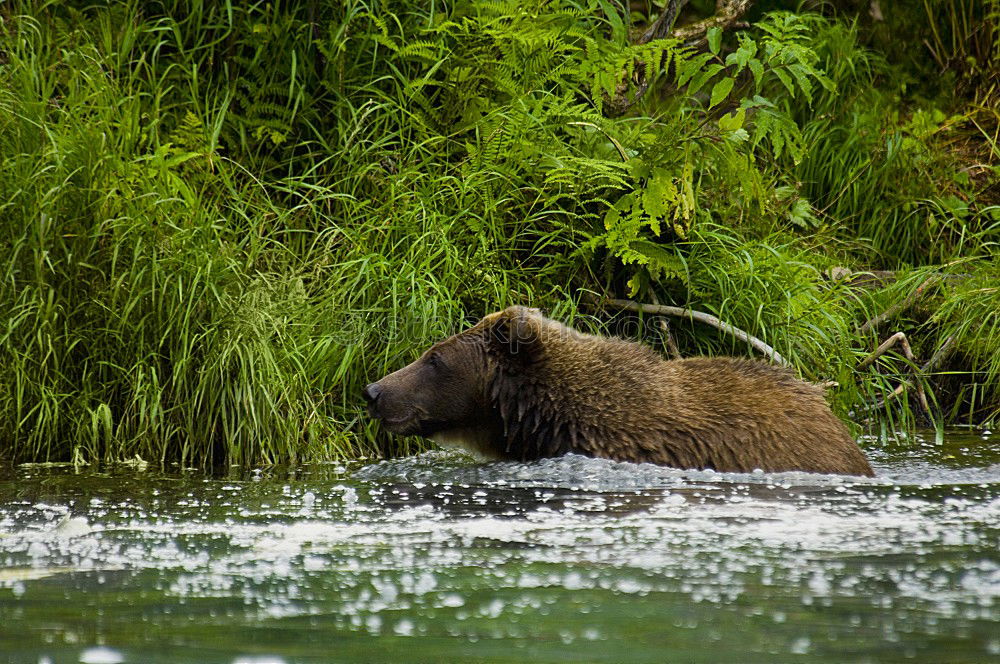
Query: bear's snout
[{"x": 371, "y": 392}]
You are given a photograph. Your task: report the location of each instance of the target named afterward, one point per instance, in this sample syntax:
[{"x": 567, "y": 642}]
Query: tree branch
[
  {"x": 701, "y": 317},
  {"x": 899, "y": 338},
  {"x": 899, "y": 307},
  {"x": 937, "y": 359},
  {"x": 727, "y": 14},
  {"x": 940, "y": 355},
  {"x": 662, "y": 26}
]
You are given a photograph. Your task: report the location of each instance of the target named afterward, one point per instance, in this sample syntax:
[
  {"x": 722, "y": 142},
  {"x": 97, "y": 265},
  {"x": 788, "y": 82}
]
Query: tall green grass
[{"x": 187, "y": 285}]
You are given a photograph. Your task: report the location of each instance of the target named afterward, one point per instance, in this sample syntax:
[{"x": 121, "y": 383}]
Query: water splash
[{"x": 570, "y": 551}]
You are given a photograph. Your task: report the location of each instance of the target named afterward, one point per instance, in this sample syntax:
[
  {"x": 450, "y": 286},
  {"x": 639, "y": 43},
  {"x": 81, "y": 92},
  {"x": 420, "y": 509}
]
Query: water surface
[{"x": 438, "y": 558}]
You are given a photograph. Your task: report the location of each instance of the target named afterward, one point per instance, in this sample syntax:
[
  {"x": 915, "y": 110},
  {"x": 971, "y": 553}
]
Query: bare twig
[
  {"x": 940, "y": 355},
  {"x": 668, "y": 336},
  {"x": 937, "y": 359},
  {"x": 899, "y": 338},
  {"x": 675, "y": 352},
  {"x": 890, "y": 397},
  {"x": 899, "y": 307},
  {"x": 701, "y": 317}
]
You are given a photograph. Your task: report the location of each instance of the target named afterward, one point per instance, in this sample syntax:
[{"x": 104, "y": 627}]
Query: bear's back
[{"x": 734, "y": 415}]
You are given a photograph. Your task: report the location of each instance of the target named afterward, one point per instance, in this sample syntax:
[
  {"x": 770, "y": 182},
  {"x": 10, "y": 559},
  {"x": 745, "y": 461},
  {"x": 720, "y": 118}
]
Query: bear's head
[{"x": 451, "y": 388}]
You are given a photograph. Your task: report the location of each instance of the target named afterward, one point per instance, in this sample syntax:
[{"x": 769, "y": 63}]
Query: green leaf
[
  {"x": 688, "y": 69},
  {"x": 714, "y": 37},
  {"x": 633, "y": 285},
  {"x": 612, "y": 218},
  {"x": 802, "y": 215},
  {"x": 659, "y": 197},
  {"x": 721, "y": 91},
  {"x": 742, "y": 55},
  {"x": 662, "y": 258},
  {"x": 738, "y": 136},
  {"x": 733, "y": 121},
  {"x": 701, "y": 79},
  {"x": 757, "y": 68},
  {"x": 786, "y": 80},
  {"x": 618, "y": 31},
  {"x": 800, "y": 73}
]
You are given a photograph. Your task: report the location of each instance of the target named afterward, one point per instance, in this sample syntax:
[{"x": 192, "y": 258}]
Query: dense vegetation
[{"x": 219, "y": 221}]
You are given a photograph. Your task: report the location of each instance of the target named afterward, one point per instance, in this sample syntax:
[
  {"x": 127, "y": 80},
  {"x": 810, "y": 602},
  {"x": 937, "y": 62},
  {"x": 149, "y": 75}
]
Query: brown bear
[{"x": 520, "y": 386}]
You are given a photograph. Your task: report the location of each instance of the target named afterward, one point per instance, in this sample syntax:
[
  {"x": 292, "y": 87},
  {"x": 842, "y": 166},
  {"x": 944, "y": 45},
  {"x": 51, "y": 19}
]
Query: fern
[
  {"x": 664, "y": 200},
  {"x": 660, "y": 203},
  {"x": 774, "y": 126},
  {"x": 609, "y": 71}
]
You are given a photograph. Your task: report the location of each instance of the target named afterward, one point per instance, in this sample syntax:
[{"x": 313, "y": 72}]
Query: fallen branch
[
  {"x": 675, "y": 352},
  {"x": 937, "y": 359},
  {"x": 874, "y": 279},
  {"x": 899, "y": 307},
  {"x": 701, "y": 317},
  {"x": 862, "y": 278},
  {"x": 899, "y": 338},
  {"x": 727, "y": 15}
]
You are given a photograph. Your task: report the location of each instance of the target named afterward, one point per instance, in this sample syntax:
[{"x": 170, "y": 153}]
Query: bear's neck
[
  {"x": 531, "y": 424},
  {"x": 554, "y": 410},
  {"x": 481, "y": 442}
]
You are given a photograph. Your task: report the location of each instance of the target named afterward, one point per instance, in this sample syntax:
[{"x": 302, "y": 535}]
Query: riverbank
[{"x": 219, "y": 223}]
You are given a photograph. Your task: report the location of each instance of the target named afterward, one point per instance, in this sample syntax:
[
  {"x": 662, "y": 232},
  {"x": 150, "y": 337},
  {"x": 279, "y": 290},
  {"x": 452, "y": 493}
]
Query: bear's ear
[{"x": 515, "y": 334}]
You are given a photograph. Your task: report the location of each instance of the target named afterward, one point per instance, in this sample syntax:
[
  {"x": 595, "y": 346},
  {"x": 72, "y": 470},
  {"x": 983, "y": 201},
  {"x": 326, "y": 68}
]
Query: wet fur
[{"x": 543, "y": 389}]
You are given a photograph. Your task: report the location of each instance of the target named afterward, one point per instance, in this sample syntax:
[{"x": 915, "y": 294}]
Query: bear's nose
[{"x": 371, "y": 392}]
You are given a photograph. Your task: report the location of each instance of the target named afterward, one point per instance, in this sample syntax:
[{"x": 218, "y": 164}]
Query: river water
[{"x": 438, "y": 558}]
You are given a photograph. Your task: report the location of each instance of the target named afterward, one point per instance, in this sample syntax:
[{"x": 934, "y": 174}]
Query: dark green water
[{"x": 439, "y": 559}]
